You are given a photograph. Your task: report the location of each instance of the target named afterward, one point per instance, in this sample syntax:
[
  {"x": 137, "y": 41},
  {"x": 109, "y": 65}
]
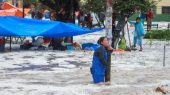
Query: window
[{"x": 165, "y": 10}]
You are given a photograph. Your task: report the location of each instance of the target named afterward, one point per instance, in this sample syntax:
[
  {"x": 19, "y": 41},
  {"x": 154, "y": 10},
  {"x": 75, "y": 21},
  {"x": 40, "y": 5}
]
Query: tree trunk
[
  {"x": 117, "y": 30},
  {"x": 101, "y": 18}
]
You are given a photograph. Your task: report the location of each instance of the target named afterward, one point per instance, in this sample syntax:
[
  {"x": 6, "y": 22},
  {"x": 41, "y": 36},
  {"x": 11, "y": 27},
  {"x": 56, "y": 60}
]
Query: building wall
[
  {"x": 13, "y": 2},
  {"x": 9, "y": 1},
  {"x": 20, "y": 3},
  {"x": 160, "y": 4}
]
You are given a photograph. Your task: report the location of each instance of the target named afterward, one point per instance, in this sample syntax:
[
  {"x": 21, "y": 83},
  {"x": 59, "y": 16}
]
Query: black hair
[
  {"x": 100, "y": 40},
  {"x": 138, "y": 18}
]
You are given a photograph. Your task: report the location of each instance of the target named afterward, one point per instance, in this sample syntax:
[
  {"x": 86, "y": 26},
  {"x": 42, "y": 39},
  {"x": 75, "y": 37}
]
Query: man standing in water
[{"x": 101, "y": 62}]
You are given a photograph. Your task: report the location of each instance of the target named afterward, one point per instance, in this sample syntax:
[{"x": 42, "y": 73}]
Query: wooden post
[{"x": 164, "y": 56}]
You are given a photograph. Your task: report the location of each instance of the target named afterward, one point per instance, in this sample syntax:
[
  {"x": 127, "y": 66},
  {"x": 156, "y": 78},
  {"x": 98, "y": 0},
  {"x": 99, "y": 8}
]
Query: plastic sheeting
[{"x": 15, "y": 26}]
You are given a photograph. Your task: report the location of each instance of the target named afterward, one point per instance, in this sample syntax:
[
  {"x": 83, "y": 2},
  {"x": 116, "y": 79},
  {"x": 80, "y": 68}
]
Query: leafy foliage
[
  {"x": 158, "y": 34},
  {"x": 58, "y": 4},
  {"x": 92, "y": 5},
  {"x": 132, "y": 5},
  {"x": 119, "y": 6}
]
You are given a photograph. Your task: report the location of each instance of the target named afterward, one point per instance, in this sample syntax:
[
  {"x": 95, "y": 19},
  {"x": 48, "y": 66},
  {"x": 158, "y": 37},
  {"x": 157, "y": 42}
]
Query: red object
[
  {"x": 2, "y": 40},
  {"x": 109, "y": 3},
  {"x": 6, "y": 6},
  {"x": 150, "y": 14},
  {"x": 119, "y": 50},
  {"x": 10, "y": 10},
  {"x": 47, "y": 40}
]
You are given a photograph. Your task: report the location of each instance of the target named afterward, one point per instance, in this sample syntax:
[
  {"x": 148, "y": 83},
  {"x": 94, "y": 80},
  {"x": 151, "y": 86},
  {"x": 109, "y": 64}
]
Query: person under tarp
[
  {"x": 26, "y": 45},
  {"x": 63, "y": 44},
  {"x": 38, "y": 44},
  {"x": 2, "y": 44},
  {"x": 56, "y": 44}
]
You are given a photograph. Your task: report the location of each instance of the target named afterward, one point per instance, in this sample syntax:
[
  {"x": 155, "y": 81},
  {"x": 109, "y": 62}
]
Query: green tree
[
  {"x": 69, "y": 6},
  {"x": 64, "y": 9},
  {"x": 92, "y": 5}
]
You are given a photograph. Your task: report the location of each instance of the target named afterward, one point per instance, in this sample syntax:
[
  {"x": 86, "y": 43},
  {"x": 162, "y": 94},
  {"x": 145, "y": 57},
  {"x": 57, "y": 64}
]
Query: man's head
[{"x": 103, "y": 41}]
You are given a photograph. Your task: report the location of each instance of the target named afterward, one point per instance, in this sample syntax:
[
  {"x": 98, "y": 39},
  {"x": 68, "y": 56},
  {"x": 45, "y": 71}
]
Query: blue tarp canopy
[{"x": 15, "y": 26}]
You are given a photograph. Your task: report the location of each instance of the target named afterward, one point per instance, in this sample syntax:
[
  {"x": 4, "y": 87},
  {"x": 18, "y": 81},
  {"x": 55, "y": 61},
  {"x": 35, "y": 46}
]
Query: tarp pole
[
  {"x": 23, "y": 11},
  {"x": 128, "y": 35},
  {"x": 10, "y": 48},
  {"x": 73, "y": 17}
]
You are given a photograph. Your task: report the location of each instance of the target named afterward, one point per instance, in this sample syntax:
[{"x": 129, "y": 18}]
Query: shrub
[{"x": 158, "y": 34}]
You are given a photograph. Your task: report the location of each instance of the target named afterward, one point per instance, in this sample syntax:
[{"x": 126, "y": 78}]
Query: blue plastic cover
[{"x": 15, "y": 26}]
